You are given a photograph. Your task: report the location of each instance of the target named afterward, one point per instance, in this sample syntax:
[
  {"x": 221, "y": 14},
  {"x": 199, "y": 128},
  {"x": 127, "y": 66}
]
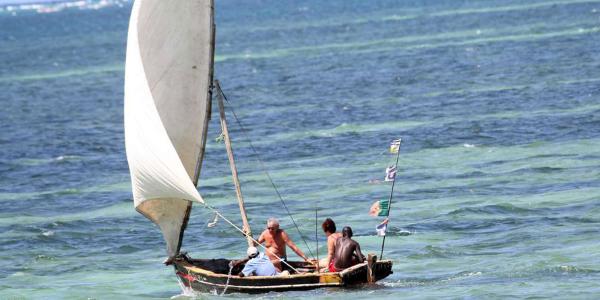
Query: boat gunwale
[
  {"x": 198, "y": 270},
  {"x": 270, "y": 287}
]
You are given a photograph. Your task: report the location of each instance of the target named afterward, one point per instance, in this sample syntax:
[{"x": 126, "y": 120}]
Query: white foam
[
  {"x": 65, "y": 157},
  {"x": 186, "y": 291}
]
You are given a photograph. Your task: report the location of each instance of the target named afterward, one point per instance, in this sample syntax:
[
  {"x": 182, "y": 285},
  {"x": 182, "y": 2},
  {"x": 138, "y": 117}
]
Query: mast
[{"x": 236, "y": 181}]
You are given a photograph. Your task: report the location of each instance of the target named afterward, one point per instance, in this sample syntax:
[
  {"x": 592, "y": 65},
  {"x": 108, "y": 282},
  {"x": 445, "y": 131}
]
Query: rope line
[
  {"x": 227, "y": 283},
  {"x": 264, "y": 169}
]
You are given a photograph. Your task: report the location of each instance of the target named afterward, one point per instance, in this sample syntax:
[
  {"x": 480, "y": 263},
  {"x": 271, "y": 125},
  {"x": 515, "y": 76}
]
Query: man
[
  {"x": 347, "y": 252},
  {"x": 332, "y": 236},
  {"x": 257, "y": 264},
  {"x": 275, "y": 240}
]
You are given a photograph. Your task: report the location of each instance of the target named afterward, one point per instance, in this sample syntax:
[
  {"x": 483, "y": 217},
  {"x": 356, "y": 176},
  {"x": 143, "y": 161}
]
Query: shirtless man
[
  {"x": 329, "y": 229},
  {"x": 347, "y": 251},
  {"x": 275, "y": 240}
]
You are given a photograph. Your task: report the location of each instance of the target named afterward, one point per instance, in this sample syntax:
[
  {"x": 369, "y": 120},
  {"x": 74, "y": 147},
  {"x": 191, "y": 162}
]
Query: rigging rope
[
  {"x": 228, "y": 277},
  {"x": 264, "y": 169}
]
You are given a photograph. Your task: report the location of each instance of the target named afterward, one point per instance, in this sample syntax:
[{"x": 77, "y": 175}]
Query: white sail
[{"x": 167, "y": 105}]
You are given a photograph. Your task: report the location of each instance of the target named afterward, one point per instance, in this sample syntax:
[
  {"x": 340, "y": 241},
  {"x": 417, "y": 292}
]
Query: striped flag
[
  {"x": 395, "y": 146},
  {"x": 390, "y": 173}
]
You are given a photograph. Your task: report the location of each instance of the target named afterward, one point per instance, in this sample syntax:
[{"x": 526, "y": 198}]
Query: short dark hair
[
  {"x": 347, "y": 232},
  {"x": 328, "y": 225}
]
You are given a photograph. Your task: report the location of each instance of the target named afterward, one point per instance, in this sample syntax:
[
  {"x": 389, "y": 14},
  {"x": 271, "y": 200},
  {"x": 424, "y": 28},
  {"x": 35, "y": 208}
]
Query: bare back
[
  {"x": 331, "y": 239},
  {"x": 347, "y": 253}
]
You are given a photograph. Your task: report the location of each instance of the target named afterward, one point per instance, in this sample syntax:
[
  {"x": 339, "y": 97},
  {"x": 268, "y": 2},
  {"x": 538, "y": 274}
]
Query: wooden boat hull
[{"x": 208, "y": 276}]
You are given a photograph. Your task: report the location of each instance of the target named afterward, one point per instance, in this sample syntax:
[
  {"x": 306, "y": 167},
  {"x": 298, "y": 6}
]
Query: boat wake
[
  {"x": 186, "y": 292},
  {"x": 415, "y": 282}
]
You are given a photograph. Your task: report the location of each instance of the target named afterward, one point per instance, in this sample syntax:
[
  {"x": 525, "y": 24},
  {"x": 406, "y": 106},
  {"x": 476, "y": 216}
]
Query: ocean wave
[
  {"x": 569, "y": 269},
  {"x": 43, "y": 257},
  {"x": 42, "y": 161},
  {"x": 63, "y": 73},
  {"x": 543, "y": 170},
  {"x": 14, "y": 7},
  {"x": 124, "y": 249},
  {"x": 419, "y": 42},
  {"x": 103, "y": 188},
  {"x": 67, "y": 157},
  {"x": 495, "y": 209},
  {"x": 394, "y": 126},
  {"x": 30, "y": 195},
  {"x": 407, "y": 15},
  {"x": 551, "y": 271},
  {"x": 394, "y": 231},
  {"x": 119, "y": 210},
  {"x": 431, "y": 251},
  {"x": 48, "y": 233}
]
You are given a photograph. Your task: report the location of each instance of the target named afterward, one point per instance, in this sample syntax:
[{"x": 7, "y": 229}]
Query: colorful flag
[
  {"x": 382, "y": 228},
  {"x": 390, "y": 173},
  {"x": 395, "y": 146},
  {"x": 380, "y": 208}
]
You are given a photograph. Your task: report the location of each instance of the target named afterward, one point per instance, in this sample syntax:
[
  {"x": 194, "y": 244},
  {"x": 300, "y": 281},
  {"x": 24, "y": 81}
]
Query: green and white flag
[{"x": 380, "y": 208}]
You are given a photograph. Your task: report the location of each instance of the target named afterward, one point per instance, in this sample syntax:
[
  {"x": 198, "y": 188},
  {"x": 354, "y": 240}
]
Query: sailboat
[{"x": 169, "y": 89}]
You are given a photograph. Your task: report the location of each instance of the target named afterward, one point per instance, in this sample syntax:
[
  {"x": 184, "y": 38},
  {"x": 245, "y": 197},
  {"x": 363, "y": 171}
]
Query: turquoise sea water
[{"x": 497, "y": 102}]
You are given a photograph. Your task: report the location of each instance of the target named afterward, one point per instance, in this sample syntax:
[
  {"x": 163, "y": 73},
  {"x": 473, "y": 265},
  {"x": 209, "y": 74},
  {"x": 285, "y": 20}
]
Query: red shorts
[{"x": 332, "y": 266}]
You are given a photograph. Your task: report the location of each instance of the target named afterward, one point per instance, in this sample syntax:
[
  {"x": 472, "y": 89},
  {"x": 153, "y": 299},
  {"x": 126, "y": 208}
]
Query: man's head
[
  {"x": 347, "y": 232},
  {"x": 272, "y": 225},
  {"x": 328, "y": 226},
  {"x": 252, "y": 252}
]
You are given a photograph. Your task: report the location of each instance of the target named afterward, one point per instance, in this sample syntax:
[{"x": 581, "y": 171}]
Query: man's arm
[
  {"x": 293, "y": 246},
  {"x": 360, "y": 257},
  {"x": 235, "y": 263},
  {"x": 261, "y": 239}
]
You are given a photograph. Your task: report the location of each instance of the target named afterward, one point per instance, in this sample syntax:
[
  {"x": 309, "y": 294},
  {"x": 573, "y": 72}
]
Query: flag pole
[
  {"x": 391, "y": 196},
  {"x": 317, "y": 237}
]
